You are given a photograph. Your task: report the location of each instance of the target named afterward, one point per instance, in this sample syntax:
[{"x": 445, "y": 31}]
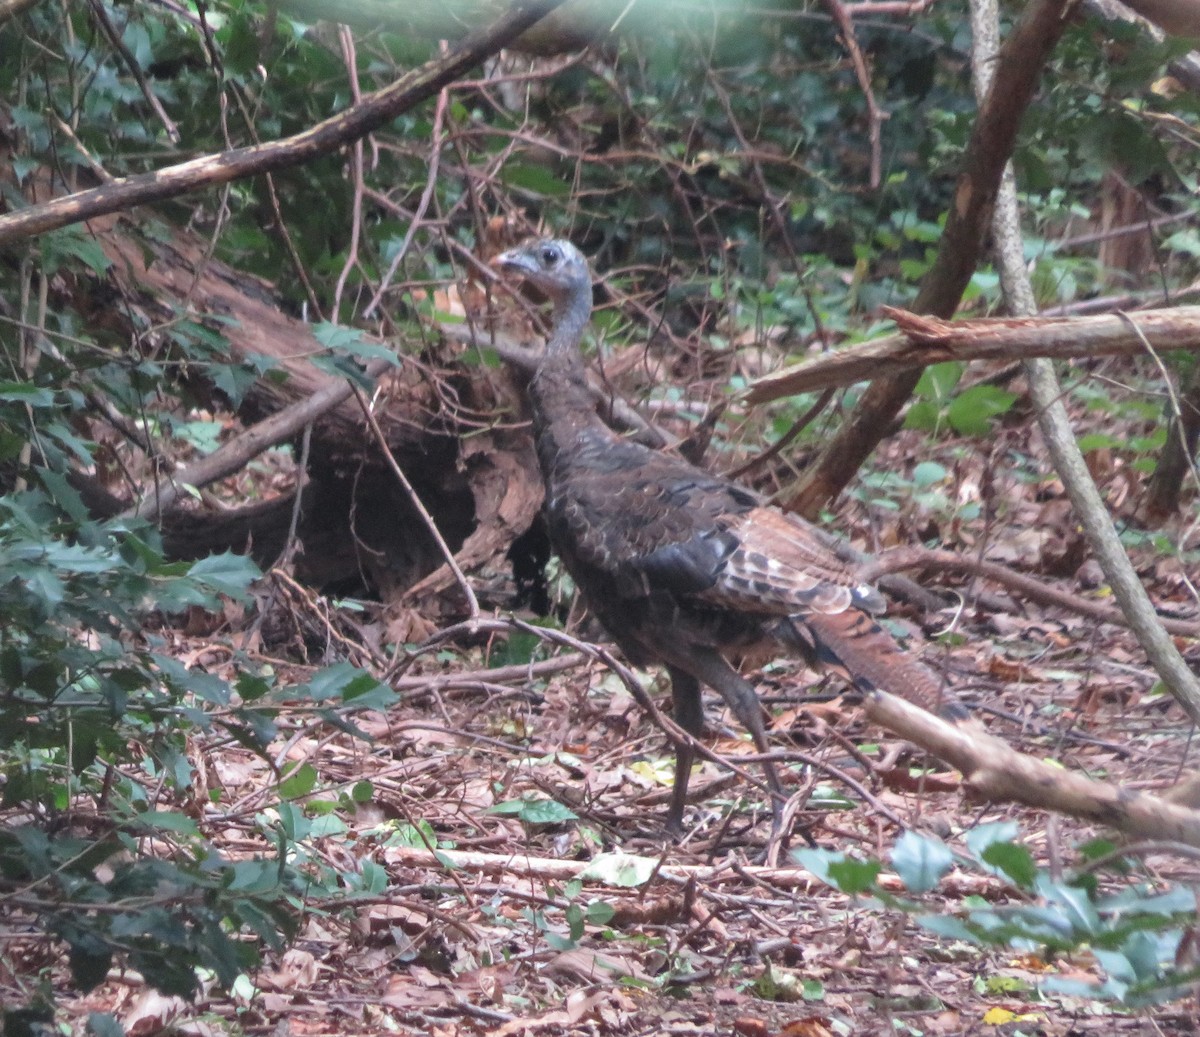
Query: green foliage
[
  {"x": 535, "y": 811},
  {"x": 1134, "y": 932},
  {"x": 563, "y": 919},
  {"x": 164, "y": 918},
  {"x": 98, "y": 718},
  {"x": 1135, "y": 413},
  {"x": 92, "y": 713},
  {"x": 969, "y": 413}
]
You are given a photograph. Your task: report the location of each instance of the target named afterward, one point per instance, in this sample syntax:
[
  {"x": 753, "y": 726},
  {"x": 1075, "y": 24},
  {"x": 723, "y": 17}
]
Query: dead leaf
[
  {"x": 814, "y": 1026},
  {"x": 297, "y": 970},
  {"x": 594, "y": 967},
  {"x": 403, "y": 992},
  {"x": 152, "y": 1012}
]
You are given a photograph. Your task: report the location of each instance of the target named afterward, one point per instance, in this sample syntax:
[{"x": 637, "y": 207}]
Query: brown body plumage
[{"x": 682, "y": 567}]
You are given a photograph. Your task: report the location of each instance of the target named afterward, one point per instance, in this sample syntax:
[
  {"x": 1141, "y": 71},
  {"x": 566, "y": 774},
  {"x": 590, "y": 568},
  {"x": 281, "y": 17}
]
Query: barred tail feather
[{"x": 856, "y": 646}]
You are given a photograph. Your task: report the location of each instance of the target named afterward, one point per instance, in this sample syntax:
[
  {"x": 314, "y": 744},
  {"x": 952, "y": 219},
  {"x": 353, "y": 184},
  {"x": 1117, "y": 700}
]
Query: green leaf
[
  {"x": 1098, "y": 441},
  {"x": 600, "y": 912},
  {"x": 352, "y": 342},
  {"x": 839, "y": 870},
  {"x": 1185, "y": 241},
  {"x": 575, "y": 920},
  {"x": 535, "y": 811},
  {"x": 59, "y": 246},
  {"x": 234, "y": 381},
  {"x": 252, "y": 876},
  {"x": 374, "y": 878},
  {"x": 937, "y": 381},
  {"x": 1078, "y": 911},
  {"x": 292, "y": 821},
  {"x": 326, "y": 826},
  {"x": 26, "y": 392},
  {"x": 1094, "y": 849},
  {"x": 929, "y": 473},
  {"x": 65, "y": 495},
  {"x": 516, "y": 650},
  {"x": 349, "y": 684},
  {"x": 978, "y": 839},
  {"x": 342, "y": 367},
  {"x": 251, "y": 687},
  {"x": 536, "y": 179},
  {"x": 299, "y": 782},
  {"x": 226, "y": 573},
  {"x": 921, "y": 861},
  {"x": 923, "y": 416},
  {"x": 204, "y": 436},
  {"x": 1014, "y": 861},
  {"x": 971, "y": 412}
]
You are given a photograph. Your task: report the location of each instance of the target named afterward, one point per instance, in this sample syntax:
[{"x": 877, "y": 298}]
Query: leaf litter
[{"x": 584, "y": 920}]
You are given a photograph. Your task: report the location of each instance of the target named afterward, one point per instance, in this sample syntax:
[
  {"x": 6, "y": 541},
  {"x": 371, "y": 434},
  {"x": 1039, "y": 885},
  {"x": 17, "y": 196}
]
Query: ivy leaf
[
  {"x": 299, "y": 783},
  {"x": 971, "y": 412},
  {"x": 535, "y": 811},
  {"x": 921, "y": 861},
  {"x": 839, "y": 870},
  {"x": 226, "y": 573}
]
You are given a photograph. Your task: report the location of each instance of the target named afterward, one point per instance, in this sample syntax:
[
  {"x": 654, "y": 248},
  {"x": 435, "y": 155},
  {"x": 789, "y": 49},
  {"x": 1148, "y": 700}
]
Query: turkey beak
[{"x": 514, "y": 261}]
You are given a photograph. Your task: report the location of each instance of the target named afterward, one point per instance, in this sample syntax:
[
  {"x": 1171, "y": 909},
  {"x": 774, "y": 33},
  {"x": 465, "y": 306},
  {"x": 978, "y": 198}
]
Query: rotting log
[{"x": 360, "y": 534}]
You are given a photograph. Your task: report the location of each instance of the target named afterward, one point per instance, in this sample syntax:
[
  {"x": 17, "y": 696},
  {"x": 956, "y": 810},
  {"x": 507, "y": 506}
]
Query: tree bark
[
  {"x": 922, "y": 341},
  {"x": 1178, "y": 456}
]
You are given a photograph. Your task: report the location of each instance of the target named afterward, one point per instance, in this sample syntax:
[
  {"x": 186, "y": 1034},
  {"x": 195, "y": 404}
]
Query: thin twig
[
  {"x": 381, "y": 440},
  {"x": 135, "y": 70},
  {"x": 875, "y": 114},
  {"x": 904, "y": 558},
  {"x": 435, "y": 151},
  {"x": 349, "y": 55},
  {"x": 798, "y": 426}
]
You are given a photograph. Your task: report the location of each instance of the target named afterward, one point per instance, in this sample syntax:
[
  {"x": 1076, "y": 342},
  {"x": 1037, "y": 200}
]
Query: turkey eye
[{"x": 550, "y": 255}]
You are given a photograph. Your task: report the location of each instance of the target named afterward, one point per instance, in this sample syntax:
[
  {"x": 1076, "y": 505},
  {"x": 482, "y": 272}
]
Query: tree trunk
[{"x": 1178, "y": 456}]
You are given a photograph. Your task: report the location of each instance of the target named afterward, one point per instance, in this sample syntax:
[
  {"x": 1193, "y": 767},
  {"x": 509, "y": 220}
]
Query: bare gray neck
[
  {"x": 563, "y": 406},
  {"x": 569, "y": 321}
]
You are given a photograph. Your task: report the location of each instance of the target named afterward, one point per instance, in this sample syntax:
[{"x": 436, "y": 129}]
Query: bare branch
[
  {"x": 345, "y": 128},
  {"x": 926, "y": 340},
  {"x": 906, "y": 558},
  {"x": 998, "y": 773},
  {"x": 232, "y": 456}
]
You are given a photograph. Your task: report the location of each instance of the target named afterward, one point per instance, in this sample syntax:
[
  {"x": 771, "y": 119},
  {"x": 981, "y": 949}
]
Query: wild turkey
[{"x": 680, "y": 566}]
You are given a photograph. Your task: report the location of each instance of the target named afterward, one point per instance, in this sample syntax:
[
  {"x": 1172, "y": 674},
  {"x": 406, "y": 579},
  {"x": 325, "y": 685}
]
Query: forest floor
[{"x": 507, "y": 934}]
